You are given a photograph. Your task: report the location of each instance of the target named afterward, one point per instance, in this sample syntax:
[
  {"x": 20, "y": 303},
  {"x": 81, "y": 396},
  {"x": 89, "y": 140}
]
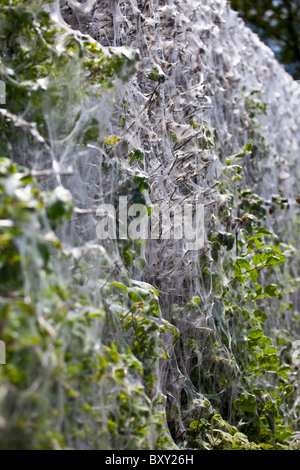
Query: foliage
[
  {"x": 277, "y": 23},
  {"x": 59, "y": 379},
  {"x": 84, "y": 368},
  {"x": 239, "y": 359},
  {"x": 54, "y": 366},
  {"x": 46, "y": 67}
]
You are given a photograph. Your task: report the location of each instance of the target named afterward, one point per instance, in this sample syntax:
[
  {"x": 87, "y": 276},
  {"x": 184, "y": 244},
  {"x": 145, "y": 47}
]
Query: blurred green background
[{"x": 277, "y": 22}]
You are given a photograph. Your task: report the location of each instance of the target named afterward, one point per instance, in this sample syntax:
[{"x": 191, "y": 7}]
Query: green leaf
[
  {"x": 157, "y": 74},
  {"x": 255, "y": 334},
  {"x": 271, "y": 290},
  {"x": 146, "y": 286},
  {"x": 276, "y": 249},
  {"x": 258, "y": 289},
  {"x": 283, "y": 432},
  {"x": 248, "y": 147},
  {"x": 275, "y": 260},
  {"x": 260, "y": 296},
  {"x": 242, "y": 263},
  {"x": 270, "y": 350},
  {"x": 262, "y": 232},
  {"x": 239, "y": 155},
  {"x": 194, "y": 302},
  {"x": 269, "y": 361},
  {"x": 118, "y": 284},
  {"x": 246, "y": 403},
  {"x": 283, "y": 370},
  {"x": 257, "y": 243},
  {"x": 137, "y": 154},
  {"x": 27, "y": 179},
  {"x": 256, "y": 260},
  {"x": 260, "y": 315},
  {"x": 254, "y": 276},
  {"x": 265, "y": 339}
]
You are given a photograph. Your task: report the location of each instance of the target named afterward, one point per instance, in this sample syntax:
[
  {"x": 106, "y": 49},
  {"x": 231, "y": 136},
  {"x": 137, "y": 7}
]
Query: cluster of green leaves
[
  {"x": 55, "y": 368},
  {"x": 260, "y": 407},
  {"x": 218, "y": 434},
  {"x": 142, "y": 320},
  {"x": 241, "y": 359},
  {"x": 35, "y": 317},
  {"x": 157, "y": 75},
  {"x": 61, "y": 385},
  {"x": 255, "y": 109},
  {"x": 46, "y": 67},
  {"x": 265, "y": 380}
]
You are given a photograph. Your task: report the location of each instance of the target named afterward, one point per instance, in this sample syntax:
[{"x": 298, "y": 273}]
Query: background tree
[{"x": 278, "y": 24}]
